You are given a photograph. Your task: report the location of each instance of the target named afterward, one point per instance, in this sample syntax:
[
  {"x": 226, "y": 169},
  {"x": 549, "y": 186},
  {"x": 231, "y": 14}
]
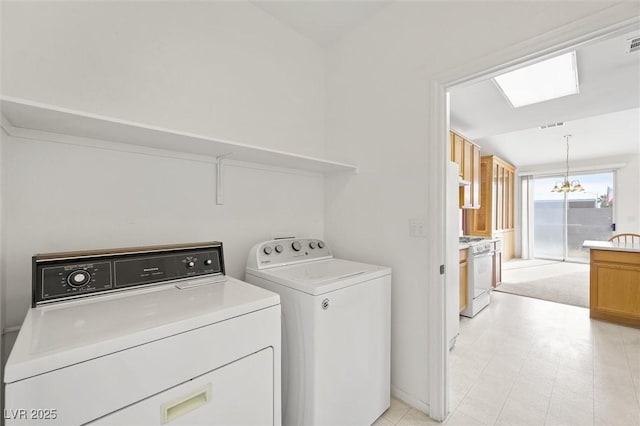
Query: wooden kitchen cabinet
[
  {"x": 495, "y": 217},
  {"x": 457, "y": 144},
  {"x": 615, "y": 286},
  {"x": 475, "y": 177},
  {"x": 464, "y": 269},
  {"x": 467, "y": 155}
]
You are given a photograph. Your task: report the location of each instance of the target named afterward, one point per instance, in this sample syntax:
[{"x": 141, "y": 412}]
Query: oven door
[{"x": 481, "y": 270}]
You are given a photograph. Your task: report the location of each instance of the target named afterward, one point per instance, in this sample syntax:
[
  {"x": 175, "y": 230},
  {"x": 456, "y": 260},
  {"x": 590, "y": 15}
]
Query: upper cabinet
[
  {"x": 467, "y": 155},
  {"x": 495, "y": 217}
]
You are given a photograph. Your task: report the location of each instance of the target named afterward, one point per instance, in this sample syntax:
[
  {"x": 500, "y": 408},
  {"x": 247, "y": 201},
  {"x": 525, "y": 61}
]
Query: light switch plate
[{"x": 417, "y": 228}]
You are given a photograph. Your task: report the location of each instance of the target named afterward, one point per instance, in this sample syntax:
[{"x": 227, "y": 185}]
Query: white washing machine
[
  {"x": 336, "y": 328},
  {"x": 145, "y": 336}
]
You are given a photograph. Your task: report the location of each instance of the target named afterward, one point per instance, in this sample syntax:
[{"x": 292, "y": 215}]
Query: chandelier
[{"x": 566, "y": 186}]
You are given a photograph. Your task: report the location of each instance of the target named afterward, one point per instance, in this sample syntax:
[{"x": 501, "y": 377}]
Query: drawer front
[{"x": 240, "y": 393}]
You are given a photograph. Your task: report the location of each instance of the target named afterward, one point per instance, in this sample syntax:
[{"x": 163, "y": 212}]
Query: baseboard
[{"x": 409, "y": 400}]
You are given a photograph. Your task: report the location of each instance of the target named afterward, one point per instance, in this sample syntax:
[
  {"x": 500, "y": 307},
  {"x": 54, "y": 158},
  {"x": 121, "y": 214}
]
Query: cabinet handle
[{"x": 177, "y": 408}]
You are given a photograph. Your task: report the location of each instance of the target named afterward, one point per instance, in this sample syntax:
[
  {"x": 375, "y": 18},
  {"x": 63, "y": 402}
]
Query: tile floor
[{"x": 526, "y": 361}]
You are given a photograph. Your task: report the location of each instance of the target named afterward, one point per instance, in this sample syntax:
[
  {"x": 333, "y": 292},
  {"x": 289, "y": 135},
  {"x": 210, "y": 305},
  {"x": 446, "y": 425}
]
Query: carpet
[{"x": 557, "y": 282}]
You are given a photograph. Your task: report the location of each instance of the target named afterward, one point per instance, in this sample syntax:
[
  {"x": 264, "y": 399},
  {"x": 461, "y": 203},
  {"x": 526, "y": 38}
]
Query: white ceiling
[
  {"x": 323, "y": 21},
  {"x": 609, "y": 81},
  {"x": 603, "y": 136}
]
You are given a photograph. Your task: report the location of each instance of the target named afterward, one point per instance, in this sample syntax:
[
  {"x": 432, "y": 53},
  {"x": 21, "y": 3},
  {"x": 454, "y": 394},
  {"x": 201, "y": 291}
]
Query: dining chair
[{"x": 626, "y": 239}]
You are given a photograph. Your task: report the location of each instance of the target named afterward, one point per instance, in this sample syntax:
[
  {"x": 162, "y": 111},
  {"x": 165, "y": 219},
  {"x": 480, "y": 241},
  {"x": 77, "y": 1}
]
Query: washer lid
[
  {"x": 321, "y": 276},
  {"x": 66, "y": 333}
]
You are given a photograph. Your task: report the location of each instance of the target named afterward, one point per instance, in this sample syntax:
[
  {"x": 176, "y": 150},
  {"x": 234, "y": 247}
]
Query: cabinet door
[
  {"x": 475, "y": 181},
  {"x": 511, "y": 206},
  {"x": 456, "y": 151},
  {"x": 464, "y": 268},
  {"x": 240, "y": 393},
  {"x": 467, "y": 160},
  {"x": 614, "y": 290},
  {"x": 499, "y": 178}
]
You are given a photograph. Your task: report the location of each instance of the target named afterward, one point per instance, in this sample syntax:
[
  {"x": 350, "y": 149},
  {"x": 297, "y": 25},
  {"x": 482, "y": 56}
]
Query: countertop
[
  {"x": 608, "y": 245},
  {"x": 463, "y": 246}
]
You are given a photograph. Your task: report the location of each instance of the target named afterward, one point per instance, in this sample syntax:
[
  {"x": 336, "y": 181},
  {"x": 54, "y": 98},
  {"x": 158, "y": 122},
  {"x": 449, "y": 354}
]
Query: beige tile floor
[{"x": 526, "y": 361}]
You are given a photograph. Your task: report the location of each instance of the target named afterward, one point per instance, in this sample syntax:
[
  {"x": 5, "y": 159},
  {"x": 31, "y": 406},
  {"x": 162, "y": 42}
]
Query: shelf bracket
[{"x": 219, "y": 180}]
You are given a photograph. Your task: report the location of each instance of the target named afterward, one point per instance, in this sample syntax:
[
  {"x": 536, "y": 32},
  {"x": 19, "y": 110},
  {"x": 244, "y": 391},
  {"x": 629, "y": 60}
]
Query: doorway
[{"x": 439, "y": 375}]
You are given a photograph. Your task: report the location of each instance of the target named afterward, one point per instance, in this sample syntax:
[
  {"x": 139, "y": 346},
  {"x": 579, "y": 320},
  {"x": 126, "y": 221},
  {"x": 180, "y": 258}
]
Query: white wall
[
  {"x": 223, "y": 69},
  {"x": 378, "y": 116},
  {"x": 63, "y": 197},
  {"x": 2, "y": 262},
  {"x": 627, "y": 197}
]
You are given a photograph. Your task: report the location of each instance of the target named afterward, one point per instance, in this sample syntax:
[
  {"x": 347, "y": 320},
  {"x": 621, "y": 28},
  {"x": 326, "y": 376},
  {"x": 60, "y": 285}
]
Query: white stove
[
  {"x": 479, "y": 274},
  {"x": 145, "y": 336}
]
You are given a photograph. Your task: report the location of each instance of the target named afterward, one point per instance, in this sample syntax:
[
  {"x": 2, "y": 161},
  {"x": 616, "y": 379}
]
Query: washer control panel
[
  {"x": 291, "y": 250},
  {"x": 59, "y": 276}
]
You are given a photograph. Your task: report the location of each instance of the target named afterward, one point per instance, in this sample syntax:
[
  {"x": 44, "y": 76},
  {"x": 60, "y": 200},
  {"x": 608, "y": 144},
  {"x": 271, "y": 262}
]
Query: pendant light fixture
[{"x": 566, "y": 186}]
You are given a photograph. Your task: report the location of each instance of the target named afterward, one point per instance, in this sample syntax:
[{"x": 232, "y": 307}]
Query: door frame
[{"x": 614, "y": 20}]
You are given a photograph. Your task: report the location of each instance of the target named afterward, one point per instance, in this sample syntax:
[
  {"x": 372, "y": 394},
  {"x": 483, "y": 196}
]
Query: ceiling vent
[
  {"x": 633, "y": 44},
  {"x": 549, "y": 126}
]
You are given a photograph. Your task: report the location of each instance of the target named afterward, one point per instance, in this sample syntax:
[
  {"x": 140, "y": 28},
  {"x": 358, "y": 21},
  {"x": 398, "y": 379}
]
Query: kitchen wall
[
  {"x": 378, "y": 117},
  {"x": 222, "y": 69}
]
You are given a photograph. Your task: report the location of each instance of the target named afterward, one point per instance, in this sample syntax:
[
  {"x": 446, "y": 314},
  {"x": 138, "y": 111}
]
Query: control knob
[
  {"x": 191, "y": 264},
  {"x": 267, "y": 250},
  {"x": 296, "y": 245},
  {"x": 279, "y": 248},
  {"x": 78, "y": 278},
  {"x": 320, "y": 244},
  {"x": 208, "y": 262},
  {"x": 312, "y": 245}
]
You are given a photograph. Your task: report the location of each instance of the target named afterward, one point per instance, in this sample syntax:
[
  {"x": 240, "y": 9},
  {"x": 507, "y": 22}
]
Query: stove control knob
[
  {"x": 296, "y": 245},
  {"x": 208, "y": 262},
  {"x": 78, "y": 278},
  {"x": 312, "y": 245},
  {"x": 279, "y": 248},
  {"x": 320, "y": 244},
  {"x": 191, "y": 264},
  {"x": 267, "y": 250}
]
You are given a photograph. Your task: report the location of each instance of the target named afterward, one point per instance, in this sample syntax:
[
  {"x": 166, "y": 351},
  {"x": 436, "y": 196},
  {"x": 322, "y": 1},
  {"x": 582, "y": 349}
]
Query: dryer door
[{"x": 240, "y": 393}]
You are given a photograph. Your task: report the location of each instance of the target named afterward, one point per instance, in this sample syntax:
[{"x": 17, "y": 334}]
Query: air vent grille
[
  {"x": 633, "y": 44},
  {"x": 549, "y": 126}
]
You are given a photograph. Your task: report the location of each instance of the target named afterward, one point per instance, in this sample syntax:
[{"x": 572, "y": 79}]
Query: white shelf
[{"x": 23, "y": 114}]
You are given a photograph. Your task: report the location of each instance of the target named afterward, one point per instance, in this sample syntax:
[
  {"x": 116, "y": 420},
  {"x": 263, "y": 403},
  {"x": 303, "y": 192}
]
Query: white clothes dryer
[
  {"x": 145, "y": 336},
  {"x": 336, "y": 328}
]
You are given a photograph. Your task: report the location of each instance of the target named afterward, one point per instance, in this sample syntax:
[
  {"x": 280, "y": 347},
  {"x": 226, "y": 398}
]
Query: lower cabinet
[
  {"x": 464, "y": 268},
  {"x": 615, "y": 286}
]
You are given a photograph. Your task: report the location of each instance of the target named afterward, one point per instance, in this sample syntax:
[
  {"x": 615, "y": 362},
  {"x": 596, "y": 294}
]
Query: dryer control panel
[
  {"x": 58, "y": 276},
  {"x": 287, "y": 251}
]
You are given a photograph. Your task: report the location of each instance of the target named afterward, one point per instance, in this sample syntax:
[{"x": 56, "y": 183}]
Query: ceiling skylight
[{"x": 543, "y": 81}]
